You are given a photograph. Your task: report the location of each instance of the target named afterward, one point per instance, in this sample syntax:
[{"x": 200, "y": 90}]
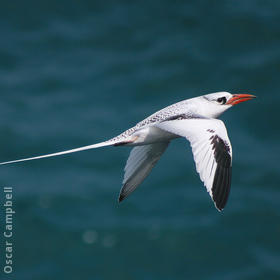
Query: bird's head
[{"x": 214, "y": 104}]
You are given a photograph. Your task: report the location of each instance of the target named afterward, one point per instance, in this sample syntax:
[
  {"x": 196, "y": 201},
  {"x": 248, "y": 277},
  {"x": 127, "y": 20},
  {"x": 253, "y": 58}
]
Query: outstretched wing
[
  {"x": 139, "y": 164},
  {"x": 212, "y": 153}
]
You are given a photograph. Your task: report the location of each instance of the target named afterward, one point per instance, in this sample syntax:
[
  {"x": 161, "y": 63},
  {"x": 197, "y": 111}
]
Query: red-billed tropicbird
[{"x": 194, "y": 119}]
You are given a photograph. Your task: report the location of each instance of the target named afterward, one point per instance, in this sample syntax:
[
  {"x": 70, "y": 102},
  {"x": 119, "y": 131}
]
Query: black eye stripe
[{"x": 222, "y": 100}]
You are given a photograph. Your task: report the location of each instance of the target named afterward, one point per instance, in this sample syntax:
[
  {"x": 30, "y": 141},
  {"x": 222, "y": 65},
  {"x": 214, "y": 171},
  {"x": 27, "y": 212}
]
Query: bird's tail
[{"x": 94, "y": 146}]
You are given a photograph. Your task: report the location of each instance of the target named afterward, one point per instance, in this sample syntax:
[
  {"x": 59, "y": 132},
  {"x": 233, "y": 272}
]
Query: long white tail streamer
[{"x": 94, "y": 146}]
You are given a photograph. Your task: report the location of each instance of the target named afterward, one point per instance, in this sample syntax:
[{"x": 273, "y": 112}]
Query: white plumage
[
  {"x": 200, "y": 133},
  {"x": 139, "y": 164},
  {"x": 193, "y": 119}
]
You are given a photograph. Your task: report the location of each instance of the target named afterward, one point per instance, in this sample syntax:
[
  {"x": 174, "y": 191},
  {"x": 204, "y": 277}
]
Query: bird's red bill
[{"x": 238, "y": 98}]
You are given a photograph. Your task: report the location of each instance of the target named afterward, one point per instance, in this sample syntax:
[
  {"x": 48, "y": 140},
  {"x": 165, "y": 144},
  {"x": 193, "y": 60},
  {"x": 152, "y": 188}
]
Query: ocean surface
[{"x": 74, "y": 73}]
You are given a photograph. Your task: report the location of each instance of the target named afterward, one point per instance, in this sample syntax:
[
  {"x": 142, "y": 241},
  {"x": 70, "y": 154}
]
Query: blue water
[{"x": 73, "y": 73}]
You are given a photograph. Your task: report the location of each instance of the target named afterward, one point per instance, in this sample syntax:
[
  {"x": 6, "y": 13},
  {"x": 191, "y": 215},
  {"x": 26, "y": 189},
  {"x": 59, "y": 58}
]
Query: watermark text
[{"x": 8, "y": 229}]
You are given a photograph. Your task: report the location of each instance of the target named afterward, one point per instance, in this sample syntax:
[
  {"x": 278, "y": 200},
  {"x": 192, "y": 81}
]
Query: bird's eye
[{"x": 222, "y": 100}]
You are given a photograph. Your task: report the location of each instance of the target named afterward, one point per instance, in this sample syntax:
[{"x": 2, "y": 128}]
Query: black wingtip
[
  {"x": 220, "y": 209},
  {"x": 221, "y": 187},
  {"x": 222, "y": 177},
  {"x": 121, "y": 198}
]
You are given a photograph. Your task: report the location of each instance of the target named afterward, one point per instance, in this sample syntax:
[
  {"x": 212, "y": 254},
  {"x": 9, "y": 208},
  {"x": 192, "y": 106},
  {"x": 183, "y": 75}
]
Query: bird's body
[{"x": 194, "y": 119}]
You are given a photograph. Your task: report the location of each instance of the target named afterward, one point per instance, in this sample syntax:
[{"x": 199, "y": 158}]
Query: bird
[{"x": 194, "y": 119}]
